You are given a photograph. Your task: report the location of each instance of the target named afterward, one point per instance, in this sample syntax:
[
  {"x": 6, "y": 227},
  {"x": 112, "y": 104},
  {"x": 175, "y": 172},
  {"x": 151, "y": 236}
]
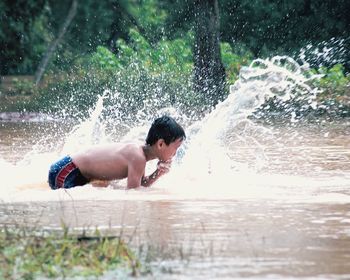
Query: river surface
[{"x": 280, "y": 210}]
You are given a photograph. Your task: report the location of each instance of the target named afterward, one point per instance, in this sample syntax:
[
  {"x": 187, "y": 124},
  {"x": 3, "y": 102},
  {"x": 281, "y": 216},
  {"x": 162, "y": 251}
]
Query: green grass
[{"x": 28, "y": 254}]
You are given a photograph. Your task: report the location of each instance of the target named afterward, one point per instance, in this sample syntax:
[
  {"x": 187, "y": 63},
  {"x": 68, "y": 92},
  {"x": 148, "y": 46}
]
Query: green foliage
[
  {"x": 141, "y": 74},
  {"x": 28, "y": 255},
  {"x": 22, "y": 87},
  {"x": 23, "y": 34},
  {"x": 334, "y": 78},
  {"x": 282, "y": 27},
  {"x": 335, "y": 84},
  {"x": 139, "y": 77},
  {"x": 166, "y": 56},
  {"x": 265, "y": 27},
  {"x": 233, "y": 62},
  {"x": 150, "y": 16},
  {"x": 141, "y": 51},
  {"x": 105, "y": 59}
]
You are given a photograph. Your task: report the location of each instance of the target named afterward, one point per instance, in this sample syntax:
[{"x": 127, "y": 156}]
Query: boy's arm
[
  {"x": 149, "y": 180},
  {"x": 162, "y": 168},
  {"x": 135, "y": 171}
]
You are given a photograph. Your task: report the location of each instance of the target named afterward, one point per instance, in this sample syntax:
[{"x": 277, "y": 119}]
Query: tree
[
  {"x": 53, "y": 45},
  {"x": 209, "y": 72},
  {"x": 22, "y": 35},
  {"x": 284, "y": 27}
]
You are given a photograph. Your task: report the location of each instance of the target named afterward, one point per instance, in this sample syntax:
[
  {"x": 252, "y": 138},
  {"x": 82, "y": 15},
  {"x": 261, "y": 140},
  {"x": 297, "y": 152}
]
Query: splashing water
[
  {"x": 326, "y": 53},
  {"x": 208, "y": 161},
  {"x": 225, "y": 156},
  {"x": 89, "y": 132}
]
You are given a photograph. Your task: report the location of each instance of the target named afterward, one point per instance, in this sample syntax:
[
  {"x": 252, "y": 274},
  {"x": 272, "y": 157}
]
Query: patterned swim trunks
[{"x": 65, "y": 174}]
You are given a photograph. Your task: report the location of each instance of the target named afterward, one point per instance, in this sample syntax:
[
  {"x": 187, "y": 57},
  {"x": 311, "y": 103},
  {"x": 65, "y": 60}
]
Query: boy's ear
[{"x": 160, "y": 143}]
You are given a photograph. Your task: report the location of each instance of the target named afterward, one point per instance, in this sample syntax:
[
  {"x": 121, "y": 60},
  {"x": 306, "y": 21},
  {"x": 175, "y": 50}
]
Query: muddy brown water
[{"x": 302, "y": 234}]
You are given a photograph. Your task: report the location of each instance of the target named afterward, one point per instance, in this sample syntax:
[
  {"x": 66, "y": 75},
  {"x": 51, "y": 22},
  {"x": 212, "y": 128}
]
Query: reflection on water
[{"x": 282, "y": 210}]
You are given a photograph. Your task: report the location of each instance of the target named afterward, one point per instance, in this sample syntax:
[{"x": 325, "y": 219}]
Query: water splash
[
  {"x": 209, "y": 165},
  {"x": 89, "y": 132},
  {"x": 326, "y": 53},
  {"x": 280, "y": 77}
]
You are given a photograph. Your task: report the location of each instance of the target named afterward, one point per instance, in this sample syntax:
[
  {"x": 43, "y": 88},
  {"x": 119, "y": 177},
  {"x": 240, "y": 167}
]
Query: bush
[
  {"x": 143, "y": 78},
  {"x": 139, "y": 78},
  {"x": 21, "y": 87},
  {"x": 233, "y": 62},
  {"x": 334, "y": 83}
]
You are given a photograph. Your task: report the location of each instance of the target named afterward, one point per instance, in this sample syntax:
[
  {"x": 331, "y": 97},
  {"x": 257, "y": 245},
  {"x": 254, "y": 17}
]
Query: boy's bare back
[{"x": 110, "y": 162}]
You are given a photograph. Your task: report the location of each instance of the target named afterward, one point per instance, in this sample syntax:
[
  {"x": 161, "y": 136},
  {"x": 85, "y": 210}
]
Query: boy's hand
[{"x": 163, "y": 167}]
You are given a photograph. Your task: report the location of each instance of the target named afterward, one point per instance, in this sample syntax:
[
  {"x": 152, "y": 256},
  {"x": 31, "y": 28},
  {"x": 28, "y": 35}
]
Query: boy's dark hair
[{"x": 165, "y": 128}]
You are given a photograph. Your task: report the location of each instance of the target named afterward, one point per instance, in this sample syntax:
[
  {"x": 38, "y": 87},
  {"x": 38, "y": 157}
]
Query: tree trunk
[
  {"x": 53, "y": 45},
  {"x": 116, "y": 26},
  {"x": 209, "y": 72},
  {"x": 307, "y": 7}
]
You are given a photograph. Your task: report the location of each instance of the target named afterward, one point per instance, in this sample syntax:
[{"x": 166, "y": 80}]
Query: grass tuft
[{"x": 28, "y": 254}]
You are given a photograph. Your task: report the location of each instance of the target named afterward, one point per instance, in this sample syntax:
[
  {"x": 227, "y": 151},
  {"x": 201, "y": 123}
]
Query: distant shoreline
[{"x": 25, "y": 116}]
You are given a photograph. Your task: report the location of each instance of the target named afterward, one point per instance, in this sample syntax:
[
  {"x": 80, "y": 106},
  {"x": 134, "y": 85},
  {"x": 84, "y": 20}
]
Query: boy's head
[{"x": 165, "y": 128}]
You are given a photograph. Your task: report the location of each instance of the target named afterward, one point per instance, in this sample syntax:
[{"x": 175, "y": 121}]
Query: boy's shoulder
[
  {"x": 135, "y": 149},
  {"x": 132, "y": 145}
]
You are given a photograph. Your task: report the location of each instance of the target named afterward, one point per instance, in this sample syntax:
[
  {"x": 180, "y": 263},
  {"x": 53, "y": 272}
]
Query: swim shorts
[{"x": 65, "y": 174}]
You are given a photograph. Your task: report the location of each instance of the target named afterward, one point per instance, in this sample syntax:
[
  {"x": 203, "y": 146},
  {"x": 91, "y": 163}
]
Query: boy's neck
[{"x": 149, "y": 152}]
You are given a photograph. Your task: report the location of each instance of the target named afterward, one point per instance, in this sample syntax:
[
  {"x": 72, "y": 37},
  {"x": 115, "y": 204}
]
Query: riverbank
[{"x": 31, "y": 253}]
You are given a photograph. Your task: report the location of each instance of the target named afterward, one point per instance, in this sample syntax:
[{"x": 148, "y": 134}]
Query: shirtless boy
[{"x": 121, "y": 160}]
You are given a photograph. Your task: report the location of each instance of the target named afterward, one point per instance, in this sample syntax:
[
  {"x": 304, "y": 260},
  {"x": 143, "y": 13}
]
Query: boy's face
[{"x": 167, "y": 152}]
